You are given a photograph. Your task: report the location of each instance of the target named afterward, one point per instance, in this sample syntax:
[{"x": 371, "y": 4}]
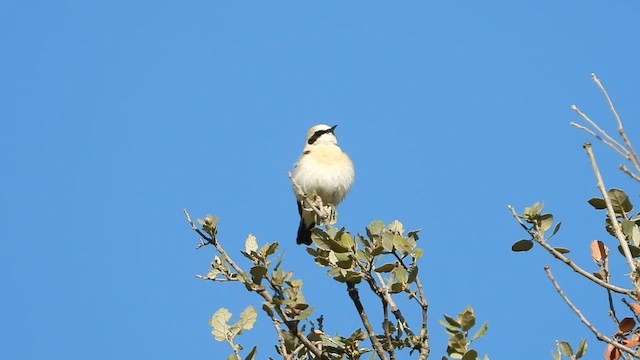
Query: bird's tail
[{"x": 304, "y": 233}]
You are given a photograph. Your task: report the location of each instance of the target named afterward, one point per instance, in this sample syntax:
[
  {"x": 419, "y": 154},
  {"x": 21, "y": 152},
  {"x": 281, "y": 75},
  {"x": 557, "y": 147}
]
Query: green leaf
[
  {"x": 233, "y": 357},
  {"x": 385, "y": 268},
  {"x": 347, "y": 241},
  {"x": 630, "y": 229},
  {"x": 377, "y": 251},
  {"x": 451, "y": 329},
  {"x": 556, "y": 355},
  {"x": 305, "y": 314},
  {"x": 219, "y": 324},
  {"x": 267, "y": 308},
  {"x": 452, "y": 321},
  {"x": 470, "y": 355},
  {"x": 522, "y": 245},
  {"x": 532, "y": 212},
  {"x": 467, "y": 319},
  {"x": 635, "y": 251},
  {"x": 396, "y": 288},
  {"x": 582, "y": 348},
  {"x": 413, "y": 274},
  {"x": 556, "y": 228},
  {"x": 247, "y": 319},
  {"x": 252, "y": 354},
  {"x": 387, "y": 240},
  {"x": 482, "y": 332},
  {"x": 565, "y": 347},
  {"x": 403, "y": 245},
  {"x": 546, "y": 221},
  {"x": 619, "y": 201},
  {"x": 417, "y": 254},
  {"x": 273, "y": 248},
  {"x": 562, "y": 250},
  {"x": 257, "y": 274},
  {"x": 598, "y": 203},
  {"x": 250, "y": 245},
  {"x": 396, "y": 227},
  {"x": 375, "y": 227},
  {"x": 401, "y": 274}
]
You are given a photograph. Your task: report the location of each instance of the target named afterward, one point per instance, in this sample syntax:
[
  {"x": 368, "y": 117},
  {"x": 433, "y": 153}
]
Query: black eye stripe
[{"x": 317, "y": 134}]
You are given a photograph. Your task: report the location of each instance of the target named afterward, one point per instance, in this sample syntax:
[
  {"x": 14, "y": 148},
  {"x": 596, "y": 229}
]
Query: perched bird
[{"x": 322, "y": 170}]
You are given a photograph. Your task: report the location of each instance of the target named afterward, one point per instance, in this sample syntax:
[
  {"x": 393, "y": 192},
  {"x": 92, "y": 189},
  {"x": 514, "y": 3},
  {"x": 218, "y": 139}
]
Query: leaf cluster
[{"x": 459, "y": 343}]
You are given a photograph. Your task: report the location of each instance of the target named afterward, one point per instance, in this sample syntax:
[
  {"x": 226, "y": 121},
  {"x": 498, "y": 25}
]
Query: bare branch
[
  {"x": 283, "y": 346},
  {"x": 355, "y": 297},
  {"x": 584, "y": 320},
  {"x": 620, "y": 150},
  {"x": 633, "y": 156},
  {"x": 611, "y": 213},
  {"x": 626, "y": 170},
  {"x": 611, "y": 142},
  {"x": 424, "y": 306}
]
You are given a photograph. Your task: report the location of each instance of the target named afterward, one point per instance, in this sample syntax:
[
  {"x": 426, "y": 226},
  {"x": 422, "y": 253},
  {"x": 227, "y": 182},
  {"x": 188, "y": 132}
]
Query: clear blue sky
[{"x": 116, "y": 115}]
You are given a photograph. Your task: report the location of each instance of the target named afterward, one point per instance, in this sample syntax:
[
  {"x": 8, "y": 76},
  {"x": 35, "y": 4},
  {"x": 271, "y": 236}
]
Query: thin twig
[
  {"x": 584, "y": 320},
  {"x": 355, "y": 297},
  {"x": 424, "y": 305},
  {"x": 402, "y": 322},
  {"x": 611, "y": 213},
  {"x": 387, "y": 333},
  {"x": 633, "y": 156},
  {"x": 592, "y": 133},
  {"x": 626, "y": 170},
  {"x": 626, "y": 302},
  {"x": 537, "y": 238},
  {"x": 283, "y": 346},
  {"x": 624, "y": 152}
]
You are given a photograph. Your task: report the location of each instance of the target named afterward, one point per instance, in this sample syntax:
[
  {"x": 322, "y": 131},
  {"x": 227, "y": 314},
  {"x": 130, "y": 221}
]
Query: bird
[{"x": 322, "y": 170}]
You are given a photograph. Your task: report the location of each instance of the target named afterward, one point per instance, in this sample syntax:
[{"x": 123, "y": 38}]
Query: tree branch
[
  {"x": 537, "y": 238},
  {"x": 260, "y": 290},
  {"x": 611, "y": 214},
  {"x": 355, "y": 297},
  {"x": 584, "y": 320},
  {"x": 633, "y": 156}
]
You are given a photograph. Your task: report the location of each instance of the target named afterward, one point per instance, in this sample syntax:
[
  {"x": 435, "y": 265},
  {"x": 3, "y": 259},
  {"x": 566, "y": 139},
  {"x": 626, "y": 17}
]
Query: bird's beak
[{"x": 333, "y": 128}]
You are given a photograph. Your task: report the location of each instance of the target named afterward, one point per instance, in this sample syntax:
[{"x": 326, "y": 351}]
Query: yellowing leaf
[
  {"x": 251, "y": 245},
  {"x": 611, "y": 353},
  {"x": 219, "y": 324},
  {"x": 598, "y": 251}
]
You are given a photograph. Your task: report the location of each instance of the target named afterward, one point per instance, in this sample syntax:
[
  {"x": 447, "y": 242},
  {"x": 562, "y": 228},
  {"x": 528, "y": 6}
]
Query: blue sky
[{"x": 116, "y": 115}]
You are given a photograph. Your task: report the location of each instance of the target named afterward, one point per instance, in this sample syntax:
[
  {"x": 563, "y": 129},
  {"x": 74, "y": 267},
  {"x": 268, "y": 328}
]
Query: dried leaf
[
  {"x": 598, "y": 251},
  {"x": 630, "y": 343},
  {"x": 611, "y": 353},
  {"x": 635, "y": 308},
  {"x": 627, "y": 324}
]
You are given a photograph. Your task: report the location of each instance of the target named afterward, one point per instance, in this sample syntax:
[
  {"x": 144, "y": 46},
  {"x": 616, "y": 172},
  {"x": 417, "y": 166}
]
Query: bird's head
[{"x": 321, "y": 133}]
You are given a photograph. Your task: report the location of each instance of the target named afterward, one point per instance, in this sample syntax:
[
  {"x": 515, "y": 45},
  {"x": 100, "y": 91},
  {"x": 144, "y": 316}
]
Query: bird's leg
[{"x": 332, "y": 217}]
